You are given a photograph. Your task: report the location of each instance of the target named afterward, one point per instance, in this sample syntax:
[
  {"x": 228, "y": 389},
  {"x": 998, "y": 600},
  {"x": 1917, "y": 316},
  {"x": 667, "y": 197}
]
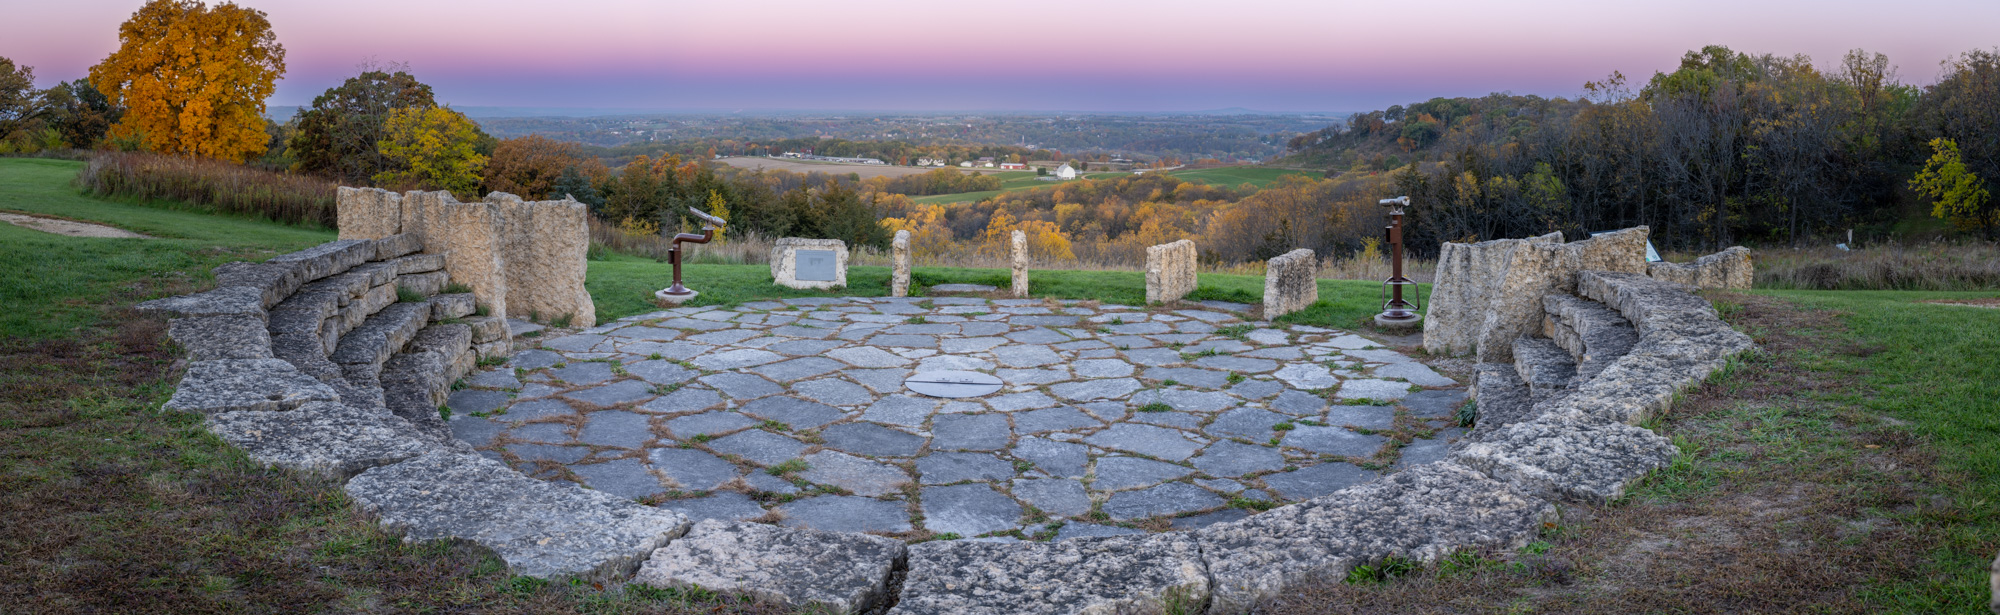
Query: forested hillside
[{"x": 1729, "y": 148}]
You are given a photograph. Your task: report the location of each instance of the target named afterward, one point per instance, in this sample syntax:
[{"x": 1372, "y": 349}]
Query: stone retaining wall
[
  {"x": 523, "y": 259},
  {"x": 1494, "y": 491}
]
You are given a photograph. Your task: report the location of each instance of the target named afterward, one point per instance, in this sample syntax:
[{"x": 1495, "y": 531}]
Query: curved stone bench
[
  {"x": 311, "y": 361},
  {"x": 298, "y": 362}
]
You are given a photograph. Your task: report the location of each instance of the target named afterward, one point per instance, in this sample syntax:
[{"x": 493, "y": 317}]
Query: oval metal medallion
[{"x": 953, "y": 384}]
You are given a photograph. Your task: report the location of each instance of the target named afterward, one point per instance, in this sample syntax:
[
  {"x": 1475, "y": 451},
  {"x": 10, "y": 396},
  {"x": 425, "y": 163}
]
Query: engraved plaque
[
  {"x": 953, "y": 384},
  {"x": 815, "y": 265}
]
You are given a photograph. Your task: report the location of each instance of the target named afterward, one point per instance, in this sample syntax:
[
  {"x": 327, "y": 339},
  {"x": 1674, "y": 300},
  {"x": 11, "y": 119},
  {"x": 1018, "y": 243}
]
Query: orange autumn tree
[{"x": 193, "y": 79}]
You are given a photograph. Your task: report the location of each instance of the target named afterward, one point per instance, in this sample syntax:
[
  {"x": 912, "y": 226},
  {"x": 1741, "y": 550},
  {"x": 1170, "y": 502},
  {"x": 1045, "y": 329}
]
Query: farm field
[
  {"x": 1025, "y": 180},
  {"x": 807, "y": 166}
]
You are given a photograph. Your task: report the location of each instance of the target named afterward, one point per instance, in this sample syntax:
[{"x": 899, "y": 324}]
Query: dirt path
[{"x": 71, "y": 228}]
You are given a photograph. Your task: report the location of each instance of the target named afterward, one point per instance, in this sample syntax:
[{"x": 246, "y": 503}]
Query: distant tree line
[{"x": 1728, "y": 148}]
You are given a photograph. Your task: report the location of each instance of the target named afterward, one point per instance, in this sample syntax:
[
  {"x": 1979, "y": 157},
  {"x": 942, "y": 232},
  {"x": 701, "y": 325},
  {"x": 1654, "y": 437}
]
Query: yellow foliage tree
[
  {"x": 193, "y": 79},
  {"x": 929, "y": 236},
  {"x": 435, "y": 148},
  {"x": 718, "y": 207}
]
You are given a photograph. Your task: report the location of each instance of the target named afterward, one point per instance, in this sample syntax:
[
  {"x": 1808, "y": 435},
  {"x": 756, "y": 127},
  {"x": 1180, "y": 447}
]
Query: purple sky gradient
[{"x": 1104, "y": 55}]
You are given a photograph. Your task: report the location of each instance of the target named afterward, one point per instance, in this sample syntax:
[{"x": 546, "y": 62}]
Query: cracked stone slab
[
  {"x": 1334, "y": 441},
  {"x": 322, "y": 437},
  {"x": 225, "y": 301},
  {"x": 541, "y": 529},
  {"x": 846, "y": 513},
  {"x": 799, "y": 568},
  {"x": 969, "y": 510},
  {"x": 1115, "y": 473},
  {"x": 1567, "y": 459},
  {"x": 235, "y": 336},
  {"x": 1424, "y": 514},
  {"x": 693, "y": 470},
  {"x": 724, "y": 506},
  {"x": 1164, "y": 500},
  {"x": 246, "y": 385},
  {"x": 759, "y": 446},
  {"x": 871, "y": 440},
  {"x": 1146, "y": 440},
  {"x": 1316, "y": 481},
  {"x": 860, "y": 476},
  {"x": 1123, "y": 574}
]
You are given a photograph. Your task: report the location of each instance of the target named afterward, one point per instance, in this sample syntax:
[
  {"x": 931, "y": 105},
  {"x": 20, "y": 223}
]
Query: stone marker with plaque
[{"x": 809, "y": 263}]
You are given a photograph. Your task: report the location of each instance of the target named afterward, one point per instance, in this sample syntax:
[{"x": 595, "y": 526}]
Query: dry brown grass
[
  {"x": 1787, "y": 503},
  {"x": 1926, "y": 266},
  {"x": 212, "y": 185}
]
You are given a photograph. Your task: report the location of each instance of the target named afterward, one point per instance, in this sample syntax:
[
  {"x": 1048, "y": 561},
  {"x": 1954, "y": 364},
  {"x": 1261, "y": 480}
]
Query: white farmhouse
[{"x": 1064, "y": 172}]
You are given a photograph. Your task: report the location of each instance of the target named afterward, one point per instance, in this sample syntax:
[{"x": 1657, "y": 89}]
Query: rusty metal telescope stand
[
  {"x": 1397, "y": 313},
  {"x": 678, "y": 293}
]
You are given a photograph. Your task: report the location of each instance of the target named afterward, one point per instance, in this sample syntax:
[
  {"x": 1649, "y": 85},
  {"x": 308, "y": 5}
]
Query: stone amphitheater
[{"x": 773, "y": 448}]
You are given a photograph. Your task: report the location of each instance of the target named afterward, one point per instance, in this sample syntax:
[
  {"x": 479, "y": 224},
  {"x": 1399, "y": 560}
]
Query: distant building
[
  {"x": 930, "y": 162},
  {"x": 966, "y": 164},
  {"x": 1064, "y": 172},
  {"x": 1013, "y": 166}
]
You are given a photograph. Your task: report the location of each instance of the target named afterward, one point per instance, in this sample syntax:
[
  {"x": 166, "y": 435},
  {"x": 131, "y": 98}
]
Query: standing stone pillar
[
  {"x": 546, "y": 246},
  {"x": 1291, "y": 283},
  {"x": 368, "y": 213},
  {"x": 1020, "y": 264},
  {"x": 899, "y": 276},
  {"x": 1170, "y": 271}
]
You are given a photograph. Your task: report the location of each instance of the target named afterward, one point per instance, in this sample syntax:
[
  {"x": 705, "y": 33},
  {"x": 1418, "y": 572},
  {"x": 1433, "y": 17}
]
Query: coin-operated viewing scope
[{"x": 1396, "y": 312}]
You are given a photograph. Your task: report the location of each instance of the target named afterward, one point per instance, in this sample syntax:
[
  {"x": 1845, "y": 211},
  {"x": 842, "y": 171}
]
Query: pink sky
[{"x": 1105, "y": 55}]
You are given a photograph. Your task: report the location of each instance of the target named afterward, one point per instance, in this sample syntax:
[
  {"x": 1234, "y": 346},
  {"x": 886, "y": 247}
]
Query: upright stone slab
[
  {"x": 1291, "y": 283},
  {"x": 1465, "y": 278},
  {"x": 1020, "y": 250},
  {"x": 899, "y": 280},
  {"x": 819, "y": 264},
  {"x": 545, "y": 248},
  {"x": 368, "y": 213},
  {"x": 469, "y": 237},
  {"x": 1170, "y": 271},
  {"x": 1729, "y": 268}
]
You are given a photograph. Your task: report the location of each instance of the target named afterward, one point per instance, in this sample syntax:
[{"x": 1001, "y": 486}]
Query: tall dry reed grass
[
  {"x": 753, "y": 249},
  {"x": 1925, "y": 266},
  {"x": 213, "y": 186}
]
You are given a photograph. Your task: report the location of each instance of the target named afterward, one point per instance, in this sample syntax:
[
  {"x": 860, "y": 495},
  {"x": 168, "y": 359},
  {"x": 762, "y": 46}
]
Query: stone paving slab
[{"x": 1136, "y": 413}]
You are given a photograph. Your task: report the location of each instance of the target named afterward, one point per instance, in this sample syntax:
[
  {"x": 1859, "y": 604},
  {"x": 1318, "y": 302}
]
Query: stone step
[
  {"x": 541, "y": 529},
  {"x": 331, "y": 439},
  {"x": 1119, "y": 574},
  {"x": 834, "y": 572},
  {"x": 1593, "y": 333},
  {"x": 1501, "y": 397},
  {"x": 416, "y": 381},
  {"x": 1545, "y": 367},
  {"x": 379, "y": 337}
]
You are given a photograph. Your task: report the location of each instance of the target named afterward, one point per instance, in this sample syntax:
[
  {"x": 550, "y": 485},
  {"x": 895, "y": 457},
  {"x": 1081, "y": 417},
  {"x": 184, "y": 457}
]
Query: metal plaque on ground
[
  {"x": 953, "y": 384},
  {"x": 815, "y": 265}
]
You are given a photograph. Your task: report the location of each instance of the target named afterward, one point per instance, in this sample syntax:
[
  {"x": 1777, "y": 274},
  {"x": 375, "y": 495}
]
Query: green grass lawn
[
  {"x": 56, "y": 284},
  {"x": 1935, "y": 368},
  {"x": 1234, "y": 176},
  {"x": 623, "y": 285}
]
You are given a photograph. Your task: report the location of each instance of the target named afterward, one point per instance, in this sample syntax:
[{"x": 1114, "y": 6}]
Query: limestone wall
[
  {"x": 1487, "y": 294},
  {"x": 1729, "y": 268},
  {"x": 522, "y": 258},
  {"x": 1170, "y": 271}
]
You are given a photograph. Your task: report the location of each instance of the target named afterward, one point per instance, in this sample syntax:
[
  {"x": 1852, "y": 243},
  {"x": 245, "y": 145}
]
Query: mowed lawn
[
  {"x": 623, "y": 285},
  {"x": 1850, "y": 467}
]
